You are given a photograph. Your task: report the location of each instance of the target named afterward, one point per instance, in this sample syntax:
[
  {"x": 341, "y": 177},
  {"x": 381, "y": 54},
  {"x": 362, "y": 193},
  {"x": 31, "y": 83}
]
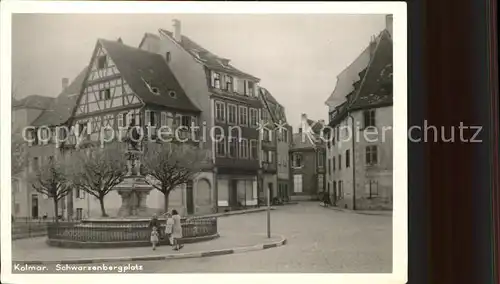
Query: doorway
[
  {"x": 34, "y": 206},
  {"x": 190, "y": 198}
]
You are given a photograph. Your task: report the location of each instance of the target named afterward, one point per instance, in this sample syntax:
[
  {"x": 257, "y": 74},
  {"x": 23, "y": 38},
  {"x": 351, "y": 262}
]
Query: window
[
  {"x": 101, "y": 62},
  {"x": 152, "y": 118},
  {"x": 253, "y": 117},
  {"x": 270, "y": 157},
  {"x": 163, "y": 119},
  {"x": 333, "y": 164},
  {"x": 320, "y": 158},
  {"x": 231, "y": 113},
  {"x": 297, "y": 183},
  {"x": 79, "y": 213},
  {"x": 341, "y": 190},
  {"x": 265, "y": 115},
  {"x": 220, "y": 146},
  {"x": 229, "y": 83},
  {"x": 297, "y": 160},
  {"x": 80, "y": 194},
  {"x": 253, "y": 150},
  {"x": 340, "y": 162},
  {"x": 215, "y": 80},
  {"x": 369, "y": 118},
  {"x": 264, "y": 155},
  {"x": 168, "y": 56},
  {"x": 335, "y": 188},
  {"x": 270, "y": 136},
  {"x": 186, "y": 121},
  {"x": 243, "y": 115},
  {"x": 244, "y": 148},
  {"x": 105, "y": 94},
  {"x": 220, "y": 114},
  {"x": 36, "y": 164},
  {"x": 347, "y": 158},
  {"x": 120, "y": 119},
  {"x": 371, "y": 188},
  {"x": 251, "y": 89},
  {"x": 371, "y": 155},
  {"x": 233, "y": 144}
]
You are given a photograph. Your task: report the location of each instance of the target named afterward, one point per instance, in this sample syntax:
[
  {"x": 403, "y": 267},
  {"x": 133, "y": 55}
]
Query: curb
[
  {"x": 211, "y": 253},
  {"x": 231, "y": 213},
  {"x": 375, "y": 213}
]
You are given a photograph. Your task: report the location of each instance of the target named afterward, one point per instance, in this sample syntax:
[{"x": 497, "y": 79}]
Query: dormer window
[
  {"x": 216, "y": 80},
  {"x": 101, "y": 62},
  {"x": 155, "y": 90},
  {"x": 172, "y": 94}
]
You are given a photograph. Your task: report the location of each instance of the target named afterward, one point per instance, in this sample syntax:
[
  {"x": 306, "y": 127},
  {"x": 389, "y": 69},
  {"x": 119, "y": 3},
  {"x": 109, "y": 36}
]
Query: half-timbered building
[{"x": 127, "y": 86}]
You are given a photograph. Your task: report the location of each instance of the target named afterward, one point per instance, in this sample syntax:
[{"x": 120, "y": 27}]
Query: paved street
[{"x": 319, "y": 241}]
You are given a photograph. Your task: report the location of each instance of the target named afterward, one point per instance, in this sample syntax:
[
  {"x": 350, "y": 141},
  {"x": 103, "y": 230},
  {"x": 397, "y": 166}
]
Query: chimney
[
  {"x": 321, "y": 121},
  {"x": 120, "y": 40},
  {"x": 388, "y": 23},
  {"x": 177, "y": 30},
  {"x": 65, "y": 83}
]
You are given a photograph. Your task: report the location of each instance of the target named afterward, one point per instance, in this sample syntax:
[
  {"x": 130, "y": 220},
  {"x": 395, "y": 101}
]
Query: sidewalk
[
  {"x": 362, "y": 212},
  {"x": 36, "y": 250}
]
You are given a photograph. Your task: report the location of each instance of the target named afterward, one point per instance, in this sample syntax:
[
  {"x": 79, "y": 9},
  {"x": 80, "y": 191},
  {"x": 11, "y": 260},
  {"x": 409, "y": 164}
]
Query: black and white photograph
[{"x": 176, "y": 139}]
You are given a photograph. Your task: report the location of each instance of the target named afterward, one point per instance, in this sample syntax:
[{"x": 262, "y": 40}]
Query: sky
[{"x": 297, "y": 57}]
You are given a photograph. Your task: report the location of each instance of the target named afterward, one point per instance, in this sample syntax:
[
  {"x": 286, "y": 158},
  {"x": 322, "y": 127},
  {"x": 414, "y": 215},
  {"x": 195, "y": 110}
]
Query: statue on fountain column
[{"x": 134, "y": 148}]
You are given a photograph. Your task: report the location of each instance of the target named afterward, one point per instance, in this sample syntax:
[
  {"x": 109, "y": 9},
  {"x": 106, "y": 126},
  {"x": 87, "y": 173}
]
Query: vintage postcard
[{"x": 165, "y": 140}]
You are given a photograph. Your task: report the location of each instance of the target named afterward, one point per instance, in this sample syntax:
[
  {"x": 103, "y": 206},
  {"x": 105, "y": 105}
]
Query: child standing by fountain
[{"x": 154, "y": 237}]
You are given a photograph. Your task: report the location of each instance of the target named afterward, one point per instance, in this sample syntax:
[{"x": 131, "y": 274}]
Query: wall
[
  {"x": 189, "y": 73},
  {"x": 309, "y": 177},
  {"x": 381, "y": 173}
]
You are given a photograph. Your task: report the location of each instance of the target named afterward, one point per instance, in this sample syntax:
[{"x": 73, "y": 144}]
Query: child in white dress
[
  {"x": 169, "y": 228},
  {"x": 154, "y": 237}
]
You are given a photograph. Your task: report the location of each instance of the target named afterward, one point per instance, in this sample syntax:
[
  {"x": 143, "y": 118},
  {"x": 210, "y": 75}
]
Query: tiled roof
[
  {"x": 33, "y": 101},
  {"x": 138, "y": 66},
  {"x": 62, "y": 107},
  {"x": 348, "y": 77},
  {"x": 209, "y": 59},
  {"x": 276, "y": 110},
  {"x": 374, "y": 89},
  {"x": 300, "y": 141}
]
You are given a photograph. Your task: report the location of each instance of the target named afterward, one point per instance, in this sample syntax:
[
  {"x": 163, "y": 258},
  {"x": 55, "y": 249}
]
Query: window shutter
[
  {"x": 235, "y": 84},
  {"x": 148, "y": 116},
  {"x": 212, "y": 83}
]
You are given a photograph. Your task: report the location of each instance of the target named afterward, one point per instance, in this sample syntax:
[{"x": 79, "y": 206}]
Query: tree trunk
[
  {"x": 166, "y": 195},
  {"x": 56, "y": 209},
  {"x": 103, "y": 210}
]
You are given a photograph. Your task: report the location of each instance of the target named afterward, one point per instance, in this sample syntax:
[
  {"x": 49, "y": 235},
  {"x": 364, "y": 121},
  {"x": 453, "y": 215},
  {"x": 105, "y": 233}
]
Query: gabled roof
[
  {"x": 209, "y": 59},
  {"x": 276, "y": 110},
  {"x": 348, "y": 76},
  {"x": 62, "y": 107},
  {"x": 139, "y": 67},
  {"x": 301, "y": 142},
  {"x": 374, "y": 89},
  {"x": 33, "y": 101}
]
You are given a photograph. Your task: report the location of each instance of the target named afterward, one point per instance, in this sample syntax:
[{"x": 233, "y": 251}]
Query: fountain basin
[{"x": 129, "y": 232}]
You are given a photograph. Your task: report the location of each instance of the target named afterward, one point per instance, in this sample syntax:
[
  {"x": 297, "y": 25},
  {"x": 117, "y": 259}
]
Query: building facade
[
  {"x": 25, "y": 201},
  {"x": 276, "y": 140},
  {"x": 307, "y": 158},
  {"x": 230, "y": 111},
  {"x": 360, "y": 151}
]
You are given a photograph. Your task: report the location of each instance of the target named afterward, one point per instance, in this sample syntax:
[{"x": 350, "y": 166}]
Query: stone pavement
[
  {"x": 363, "y": 212},
  {"x": 36, "y": 249},
  {"x": 318, "y": 241}
]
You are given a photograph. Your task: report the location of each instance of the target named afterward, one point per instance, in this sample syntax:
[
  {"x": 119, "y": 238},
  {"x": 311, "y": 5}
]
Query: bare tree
[
  {"x": 98, "y": 170},
  {"x": 50, "y": 179},
  {"x": 171, "y": 165}
]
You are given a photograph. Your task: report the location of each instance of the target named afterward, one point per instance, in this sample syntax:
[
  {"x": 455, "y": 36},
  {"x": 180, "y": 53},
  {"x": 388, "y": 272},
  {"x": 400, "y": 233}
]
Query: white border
[{"x": 400, "y": 216}]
